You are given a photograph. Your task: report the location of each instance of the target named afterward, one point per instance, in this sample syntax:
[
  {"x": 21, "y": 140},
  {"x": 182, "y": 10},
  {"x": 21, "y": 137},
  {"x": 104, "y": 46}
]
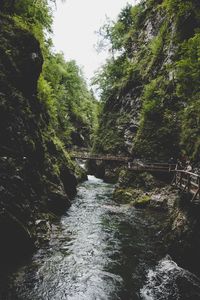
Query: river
[{"x": 103, "y": 251}]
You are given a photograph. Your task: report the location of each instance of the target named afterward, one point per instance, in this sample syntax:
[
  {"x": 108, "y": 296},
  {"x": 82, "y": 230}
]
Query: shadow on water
[{"x": 103, "y": 251}]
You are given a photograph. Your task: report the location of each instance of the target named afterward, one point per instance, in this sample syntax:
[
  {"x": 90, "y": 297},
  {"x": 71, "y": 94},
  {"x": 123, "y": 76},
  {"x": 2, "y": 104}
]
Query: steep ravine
[
  {"x": 142, "y": 117},
  {"x": 151, "y": 86},
  {"x": 36, "y": 177},
  {"x": 151, "y": 105}
]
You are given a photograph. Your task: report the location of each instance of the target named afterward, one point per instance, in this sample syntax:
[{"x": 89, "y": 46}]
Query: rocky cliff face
[
  {"x": 148, "y": 111},
  {"x": 181, "y": 232},
  {"x": 151, "y": 110},
  {"x": 35, "y": 177}
]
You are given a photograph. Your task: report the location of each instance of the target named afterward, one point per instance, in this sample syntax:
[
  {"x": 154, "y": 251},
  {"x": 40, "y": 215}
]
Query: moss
[
  {"x": 143, "y": 181},
  {"x": 108, "y": 139},
  {"x": 38, "y": 173},
  {"x": 134, "y": 197},
  {"x": 160, "y": 65},
  {"x": 142, "y": 201},
  {"x": 126, "y": 195}
]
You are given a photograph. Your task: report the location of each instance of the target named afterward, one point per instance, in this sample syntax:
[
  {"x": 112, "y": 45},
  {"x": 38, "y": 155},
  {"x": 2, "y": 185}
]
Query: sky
[{"x": 75, "y": 24}]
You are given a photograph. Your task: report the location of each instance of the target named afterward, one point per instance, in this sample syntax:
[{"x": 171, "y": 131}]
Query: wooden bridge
[
  {"x": 186, "y": 181},
  {"x": 103, "y": 157}
]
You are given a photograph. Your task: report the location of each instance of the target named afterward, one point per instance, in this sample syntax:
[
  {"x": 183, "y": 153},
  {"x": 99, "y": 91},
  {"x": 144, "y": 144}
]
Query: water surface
[{"x": 103, "y": 251}]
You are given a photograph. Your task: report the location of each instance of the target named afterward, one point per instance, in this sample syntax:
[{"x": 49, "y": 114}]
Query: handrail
[
  {"x": 187, "y": 172},
  {"x": 183, "y": 179},
  {"x": 187, "y": 181}
]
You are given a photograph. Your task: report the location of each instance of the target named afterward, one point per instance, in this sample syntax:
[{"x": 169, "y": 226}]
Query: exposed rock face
[
  {"x": 154, "y": 114},
  {"x": 108, "y": 171},
  {"x": 182, "y": 230},
  {"x": 183, "y": 233},
  {"x": 34, "y": 174},
  {"x": 144, "y": 113}
]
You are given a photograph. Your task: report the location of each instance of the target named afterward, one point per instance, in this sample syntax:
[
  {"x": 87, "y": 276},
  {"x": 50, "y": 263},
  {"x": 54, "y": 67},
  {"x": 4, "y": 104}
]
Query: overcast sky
[{"x": 74, "y": 29}]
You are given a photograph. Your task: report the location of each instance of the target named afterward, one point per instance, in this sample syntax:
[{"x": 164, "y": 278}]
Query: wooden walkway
[
  {"x": 186, "y": 181},
  {"x": 152, "y": 167}
]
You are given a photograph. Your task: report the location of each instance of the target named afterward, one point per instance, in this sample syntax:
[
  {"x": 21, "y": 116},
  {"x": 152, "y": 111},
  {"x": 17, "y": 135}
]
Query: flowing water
[{"x": 103, "y": 251}]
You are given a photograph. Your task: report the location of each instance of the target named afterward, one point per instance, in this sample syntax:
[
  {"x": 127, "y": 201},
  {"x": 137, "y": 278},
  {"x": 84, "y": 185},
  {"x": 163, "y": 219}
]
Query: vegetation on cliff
[
  {"x": 61, "y": 86},
  {"x": 45, "y": 107},
  {"x": 150, "y": 85}
]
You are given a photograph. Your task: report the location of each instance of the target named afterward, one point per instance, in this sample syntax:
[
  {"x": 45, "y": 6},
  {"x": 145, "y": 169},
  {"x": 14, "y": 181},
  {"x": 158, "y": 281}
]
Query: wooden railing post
[
  {"x": 174, "y": 179},
  {"x": 188, "y": 182},
  {"x": 181, "y": 179}
]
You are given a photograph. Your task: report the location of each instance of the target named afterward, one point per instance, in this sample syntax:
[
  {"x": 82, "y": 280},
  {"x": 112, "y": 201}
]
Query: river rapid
[{"x": 103, "y": 251}]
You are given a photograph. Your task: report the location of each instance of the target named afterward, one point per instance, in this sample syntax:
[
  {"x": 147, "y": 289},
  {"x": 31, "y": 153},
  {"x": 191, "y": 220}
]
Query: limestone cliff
[
  {"x": 35, "y": 175},
  {"x": 151, "y": 105},
  {"x": 151, "y": 108}
]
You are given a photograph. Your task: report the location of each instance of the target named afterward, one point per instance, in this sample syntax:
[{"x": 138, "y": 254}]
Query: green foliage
[
  {"x": 107, "y": 138},
  {"x": 34, "y": 16},
  {"x": 186, "y": 16},
  {"x": 188, "y": 82},
  {"x": 157, "y": 43},
  {"x": 188, "y": 68},
  {"x": 159, "y": 124},
  {"x": 162, "y": 71},
  {"x": 190, "y": 135},
  {"x": 34, "y": 13},
  {"x": 113, "y": 76},
  {"x": 178, "y": 6},
  {"x": 113, "y": 35},
  {"x": 64, "y": 90}
]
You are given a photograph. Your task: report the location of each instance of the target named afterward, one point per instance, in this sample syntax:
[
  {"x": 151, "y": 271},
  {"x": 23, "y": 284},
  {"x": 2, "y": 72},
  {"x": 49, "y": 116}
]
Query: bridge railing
[
  {"x": 151, "y": 167},
  {"x": 188, "y": 182},
  {"x": 99, "y": 157},
  {"x": 183, "y": 179}
]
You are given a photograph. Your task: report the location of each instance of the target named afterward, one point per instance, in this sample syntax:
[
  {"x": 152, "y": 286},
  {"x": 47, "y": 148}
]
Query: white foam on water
[
  {"x": 94, "y": 179},
  {"x": 162, "y": 281}
]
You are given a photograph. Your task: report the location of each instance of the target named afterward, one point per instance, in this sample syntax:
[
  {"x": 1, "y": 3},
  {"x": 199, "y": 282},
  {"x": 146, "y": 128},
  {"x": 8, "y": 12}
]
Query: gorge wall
[
  {"x": 45, "y": 110},
  {"x": 150, "y": 85},
  {"x": 151, "y": 108},
  {"x": 36, "y": 176}
]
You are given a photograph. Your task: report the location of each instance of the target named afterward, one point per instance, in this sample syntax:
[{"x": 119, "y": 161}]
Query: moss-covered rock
[
  {"x": 182, "y": 234},
  {"x": 142, "y": 201},
  {"x": 151, "y": 91},
  {"x": 134, "y": 197},
  {"x": 36, "y": 175},
  {"x": 141, "y": 180},
  {"x": 126, "y": 195}
]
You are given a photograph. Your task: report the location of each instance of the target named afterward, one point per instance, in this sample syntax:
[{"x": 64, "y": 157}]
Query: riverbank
[
  {"x": 102, "y": 250},
  {"x": 182, "y": 230}
]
